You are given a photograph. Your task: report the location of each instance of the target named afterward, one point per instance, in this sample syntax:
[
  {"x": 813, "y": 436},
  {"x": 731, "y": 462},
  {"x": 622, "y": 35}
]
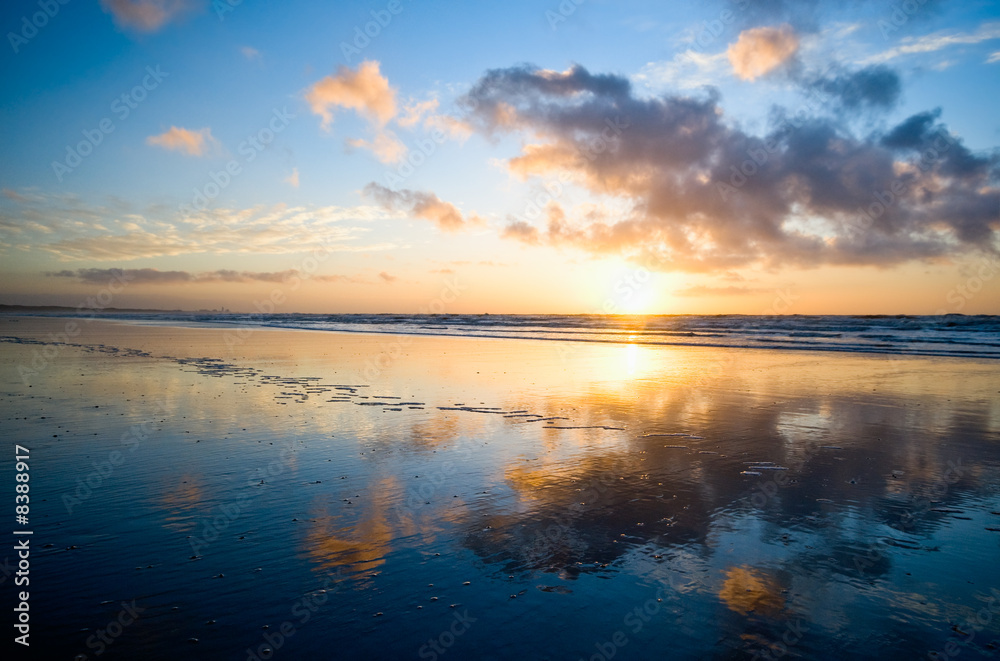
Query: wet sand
[{"x": 294, "y": 494}]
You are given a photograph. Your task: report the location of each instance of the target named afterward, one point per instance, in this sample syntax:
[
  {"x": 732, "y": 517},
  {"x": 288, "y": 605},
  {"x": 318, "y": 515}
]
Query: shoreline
[{"x": 222, "y": 325}]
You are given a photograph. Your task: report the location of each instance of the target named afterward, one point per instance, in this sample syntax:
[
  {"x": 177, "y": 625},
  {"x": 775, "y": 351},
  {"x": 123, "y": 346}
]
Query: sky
[{"x": 573, "y": 156}]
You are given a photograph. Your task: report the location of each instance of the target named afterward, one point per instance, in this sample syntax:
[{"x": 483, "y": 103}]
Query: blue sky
[{"x": 857, "y": 70}]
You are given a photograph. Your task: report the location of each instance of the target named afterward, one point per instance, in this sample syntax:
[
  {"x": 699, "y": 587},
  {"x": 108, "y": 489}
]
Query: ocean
[{"x": 944, "y": 335}]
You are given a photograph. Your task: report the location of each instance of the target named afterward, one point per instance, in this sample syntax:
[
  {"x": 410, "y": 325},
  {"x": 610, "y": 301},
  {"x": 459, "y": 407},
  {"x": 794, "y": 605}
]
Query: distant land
[{"x": 66, "y": 308}]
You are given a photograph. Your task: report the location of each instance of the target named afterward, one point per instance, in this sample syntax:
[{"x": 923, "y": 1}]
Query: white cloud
[
  {"x": 67, "y": 228},
  {"x": 689, "y": 69},
  {"x": 938, "y": 41}
]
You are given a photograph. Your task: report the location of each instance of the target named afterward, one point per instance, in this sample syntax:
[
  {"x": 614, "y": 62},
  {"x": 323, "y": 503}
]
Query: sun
[{"x": 641, "y": 300}]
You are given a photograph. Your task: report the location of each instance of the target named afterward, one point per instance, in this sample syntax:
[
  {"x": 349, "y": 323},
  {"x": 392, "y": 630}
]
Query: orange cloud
[
  {"x": 416, "y": 111},
  {"x": 761, "y": 50},
  {"x": 386, "y": 146},
  {"x": 145, "y": 15},
  {"x": 194, "y": 143},
  {"x": 366, "y": 91},
  {"x": 422, "y": 205}
]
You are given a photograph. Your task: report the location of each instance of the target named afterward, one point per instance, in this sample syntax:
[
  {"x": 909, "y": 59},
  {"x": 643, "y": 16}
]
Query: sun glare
[{"x": 640, "y": 301}]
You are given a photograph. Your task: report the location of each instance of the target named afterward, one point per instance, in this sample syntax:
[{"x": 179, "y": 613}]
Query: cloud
[
  {"x": 994, "y": 57},
  {"x": 386, "y": 146},
  {"x": 521, "y": 231},
  {"x": 147, "y": 15},
  {"x": 149, "y": 276},
  {"x": 759, "y": 51},
  {"x": 194, "y": 143},
  {"x": 694, "y": 193},
  {"x": 421, "y": 204},
  {"x": 702, "y": 290},
  {"x": 423, "y": 113},
  {"x": 14, "y": 195},
  {"x": 293, "y": 178},
  {"x": 68, "y": 228},
  {"x": 875, "y": 86},
  {"x": 689, "y": 69},
  {"x": 912, "y": 132},
  {"x": 938, "y": 41},
  {"x": 251, "y": 53},
  {"x": 366, "y": 91},
  {"x": 386, "y": 277},
  {"x": 415, "y": 111}
]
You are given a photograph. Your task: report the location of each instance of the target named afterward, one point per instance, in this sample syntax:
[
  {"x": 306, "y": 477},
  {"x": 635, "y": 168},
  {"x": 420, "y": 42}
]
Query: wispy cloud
[
  {"x": 704, "y": 290},
  {"x": 251, "y": 53},
  {"x": 687, "y": 70},
  {"x": 194, "y": 143},
  {"x": 386, "y": 146},
  {"x": 293, "y": 178},
  {"x": 938, "y": 41},
  {"x": 150, "y": 276},
  {"x": 415, "y": 111},
  {"x": 71, "y": 229}
]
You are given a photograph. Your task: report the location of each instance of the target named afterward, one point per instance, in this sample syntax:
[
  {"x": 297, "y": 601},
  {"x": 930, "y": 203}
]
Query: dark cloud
[
  {"x": 912, "y": 133},
  {"x": 156, "y": 277},
  {"x": 924, "y": 136},
  {"x": 386, "y": 277},
  {"x": 701, "y": 194},
  {"x": 137, "y": 276},
  {"x": 875, "y": 87}
]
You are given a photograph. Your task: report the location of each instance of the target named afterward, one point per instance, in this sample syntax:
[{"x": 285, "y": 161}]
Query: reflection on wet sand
[
  {"x": 748, "y": 590},
  {"x": 853, "y": 499}
]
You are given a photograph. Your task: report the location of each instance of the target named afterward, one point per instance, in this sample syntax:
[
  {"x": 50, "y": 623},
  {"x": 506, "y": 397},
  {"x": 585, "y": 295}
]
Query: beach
[{"x": 255, "y": 493}]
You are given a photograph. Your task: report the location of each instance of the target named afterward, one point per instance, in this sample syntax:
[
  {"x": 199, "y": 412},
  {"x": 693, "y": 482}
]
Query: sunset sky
[{"x": 726, "y": 156}]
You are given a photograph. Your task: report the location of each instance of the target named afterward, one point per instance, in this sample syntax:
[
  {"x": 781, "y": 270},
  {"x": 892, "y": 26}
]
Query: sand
[{"x": 336, "y": 495}]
